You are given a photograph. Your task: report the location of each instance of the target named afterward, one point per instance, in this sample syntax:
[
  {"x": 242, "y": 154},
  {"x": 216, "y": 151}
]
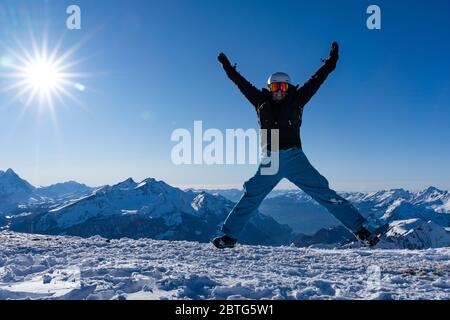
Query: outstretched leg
[
  {"x": 255, "y": 190},
  {"x": 306, "y": 177}
]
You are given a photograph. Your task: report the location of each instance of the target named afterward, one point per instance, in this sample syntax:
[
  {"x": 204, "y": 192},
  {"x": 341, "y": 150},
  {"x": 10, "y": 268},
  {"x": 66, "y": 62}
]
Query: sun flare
[{"x": 41, "y": 77}]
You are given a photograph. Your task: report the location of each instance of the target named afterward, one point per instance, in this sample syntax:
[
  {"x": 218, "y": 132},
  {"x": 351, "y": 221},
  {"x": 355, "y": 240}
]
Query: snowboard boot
[
  {"x": 366, "y": 237},
  {"x": 224, "y": 242}
]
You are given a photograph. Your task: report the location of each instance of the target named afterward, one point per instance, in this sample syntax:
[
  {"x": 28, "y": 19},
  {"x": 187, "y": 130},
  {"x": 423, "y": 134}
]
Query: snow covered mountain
[
  {"x": 231, "y": 194},
  {"x": 156, "y": 210},
  {"x": 151, "y": 209},
  {"x": 417, "y": 234},
  {"x": 17, "y": 195},
  {"x": 291, "y": 207},
  {"x": 13, "y": 191},
  {"x": 398, "y": 204},
  {"x": 304, "y": 215},
  {"x": 418, "y": 219},
  {"x": 64, "y": 191},
  {"x": 299, "y": 211},
  {"x": 71, "y": 268},
  {"x": 235, "y": 194}
]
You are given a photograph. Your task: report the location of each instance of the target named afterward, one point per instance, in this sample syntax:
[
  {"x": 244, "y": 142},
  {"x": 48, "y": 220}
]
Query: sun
[{"x": 41, "y": 77}]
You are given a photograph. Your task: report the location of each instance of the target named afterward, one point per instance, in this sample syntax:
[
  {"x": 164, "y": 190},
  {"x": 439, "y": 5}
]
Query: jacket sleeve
[
  {"x": 248, "y": 90},
  {"x": 310, "y": 87}
]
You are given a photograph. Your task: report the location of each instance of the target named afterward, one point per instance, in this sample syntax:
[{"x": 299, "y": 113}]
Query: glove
[{"x": 224, "y": 60}]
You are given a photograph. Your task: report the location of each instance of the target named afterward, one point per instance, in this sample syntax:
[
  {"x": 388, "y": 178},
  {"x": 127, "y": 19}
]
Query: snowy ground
[{"x": 42, "y": 267}]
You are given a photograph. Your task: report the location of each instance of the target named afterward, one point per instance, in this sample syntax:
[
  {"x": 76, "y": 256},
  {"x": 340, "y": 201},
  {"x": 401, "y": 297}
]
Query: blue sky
[{"x": 380, "y": 121}]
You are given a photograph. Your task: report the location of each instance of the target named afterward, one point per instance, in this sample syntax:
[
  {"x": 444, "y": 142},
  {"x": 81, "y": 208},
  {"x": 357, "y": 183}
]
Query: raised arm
[
  {"x": 307, "y": 91},
  {"x": 248, "y": 90}
]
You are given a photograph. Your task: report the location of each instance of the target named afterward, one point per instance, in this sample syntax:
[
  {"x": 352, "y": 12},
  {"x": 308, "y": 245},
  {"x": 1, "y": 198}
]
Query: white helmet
[{"x": 279, "y": 77}]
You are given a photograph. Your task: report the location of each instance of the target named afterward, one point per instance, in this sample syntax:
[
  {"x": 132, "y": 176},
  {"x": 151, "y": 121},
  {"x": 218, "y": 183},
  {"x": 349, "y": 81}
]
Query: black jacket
[{"x": 285, "y": 115}]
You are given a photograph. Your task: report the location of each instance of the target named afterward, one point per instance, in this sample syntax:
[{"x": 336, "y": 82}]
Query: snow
[
  {"x": 204, "y": 201},
  {"x": 57, "y": 267},
  {"x": 150, "y": 197},
  {"x": 417, "y": 234},
  {"x": 379, "y": 208},
  {"x": 445, "y": 208},
  {"x": 141, "y": 185}
]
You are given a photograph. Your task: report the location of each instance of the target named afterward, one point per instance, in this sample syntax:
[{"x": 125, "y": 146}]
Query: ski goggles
[{"x": 275, "y": 86}]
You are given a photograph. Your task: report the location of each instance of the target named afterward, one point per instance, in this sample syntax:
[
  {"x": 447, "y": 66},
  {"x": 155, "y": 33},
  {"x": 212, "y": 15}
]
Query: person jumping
[{"x": 280, "y": 106}]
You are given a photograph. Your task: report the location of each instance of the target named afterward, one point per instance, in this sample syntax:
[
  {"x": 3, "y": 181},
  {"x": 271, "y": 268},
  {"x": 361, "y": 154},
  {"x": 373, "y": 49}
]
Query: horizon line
[{"x": 238, "y": 186}]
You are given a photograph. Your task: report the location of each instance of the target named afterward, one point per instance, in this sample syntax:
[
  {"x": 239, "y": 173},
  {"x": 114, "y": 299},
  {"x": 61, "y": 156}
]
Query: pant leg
[
  {"x": 306, "y": 177},
  {"x": 255, "y": 190}
]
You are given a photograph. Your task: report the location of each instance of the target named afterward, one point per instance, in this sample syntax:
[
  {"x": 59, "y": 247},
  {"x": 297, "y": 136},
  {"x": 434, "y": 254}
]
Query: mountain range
[
  {"x": 17, "y": 193},
  {"x": 154, "y": 209},
  {"x": 418, "y": 219},
  {"x": 146, "y": 209}
]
